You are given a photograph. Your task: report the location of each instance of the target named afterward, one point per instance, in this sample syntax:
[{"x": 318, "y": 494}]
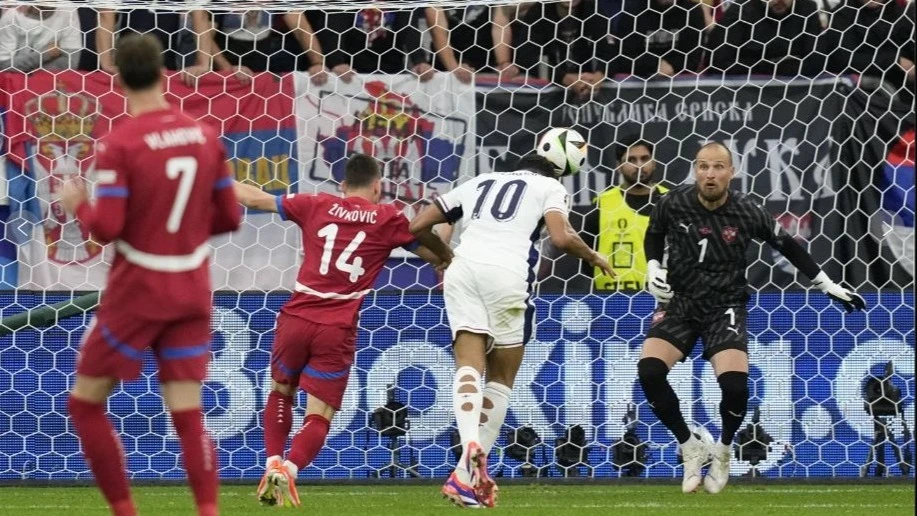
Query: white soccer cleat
[
  {"x": 694, "y": 454},
  {"x": 718, "y": 474}
]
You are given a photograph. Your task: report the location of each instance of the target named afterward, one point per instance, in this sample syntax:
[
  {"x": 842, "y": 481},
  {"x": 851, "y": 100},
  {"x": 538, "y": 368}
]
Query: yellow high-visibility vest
[{"x": 621, "y": 234}]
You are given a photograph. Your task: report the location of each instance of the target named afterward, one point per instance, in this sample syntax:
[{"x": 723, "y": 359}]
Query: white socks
[
  {"x": 493, "y": 413},
  {"x": 466, "y": 403}
]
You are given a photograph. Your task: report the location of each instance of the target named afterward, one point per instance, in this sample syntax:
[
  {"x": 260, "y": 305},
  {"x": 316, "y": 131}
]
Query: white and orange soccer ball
[{"x": 565, "y": 149}]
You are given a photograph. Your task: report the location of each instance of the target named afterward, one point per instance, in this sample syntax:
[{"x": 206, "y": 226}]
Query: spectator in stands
[
  {"x": 89, "y": 21},
  {"x": 515, "y": 53},
  {"x": 373, "y": 41},
  {"x": 169, "y": 28},
  {"x": 463, "y": 39},
  {"x": 824, "y": 11},
  {"x": 660, "y": 37},
  {"x": 571, "y": 37},
  {"x": 259, "y": 41},
  {"x": 33, "y": 37},
  {"x": 619, "y": 221},
  {"x": 766, "y": 37},
  {"x": 503, "y": 44},
  {"x": 867, "y": 37},
  {"x": 709, "y": 8}
]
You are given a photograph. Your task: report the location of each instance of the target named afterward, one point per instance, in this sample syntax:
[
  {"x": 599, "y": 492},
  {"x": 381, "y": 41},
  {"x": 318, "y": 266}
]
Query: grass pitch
[{"x": 515, "y": 499}]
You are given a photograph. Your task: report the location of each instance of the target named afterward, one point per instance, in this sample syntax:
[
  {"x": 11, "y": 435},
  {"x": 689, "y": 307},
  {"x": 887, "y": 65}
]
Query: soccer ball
[{"x": 565, "y": 149}]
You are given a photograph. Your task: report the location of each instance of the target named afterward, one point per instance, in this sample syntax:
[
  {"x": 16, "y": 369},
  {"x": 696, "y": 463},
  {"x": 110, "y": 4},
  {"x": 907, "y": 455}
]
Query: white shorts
[{"x": 488, "y": 300}]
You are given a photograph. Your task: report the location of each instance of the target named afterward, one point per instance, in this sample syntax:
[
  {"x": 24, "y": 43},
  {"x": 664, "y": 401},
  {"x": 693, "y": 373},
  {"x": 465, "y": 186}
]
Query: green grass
[{"x": 515, "y": 499}]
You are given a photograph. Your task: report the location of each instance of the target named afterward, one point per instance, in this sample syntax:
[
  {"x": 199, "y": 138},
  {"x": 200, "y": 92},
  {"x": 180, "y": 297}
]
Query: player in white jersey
[{"x": 488, "y": 290}]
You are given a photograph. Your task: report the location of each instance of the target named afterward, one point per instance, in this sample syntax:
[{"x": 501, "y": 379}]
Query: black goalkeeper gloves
[{"x": 851, "y": 300}]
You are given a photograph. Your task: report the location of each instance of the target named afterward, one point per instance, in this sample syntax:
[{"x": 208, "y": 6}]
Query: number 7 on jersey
[{"x": 183, "y": 168}]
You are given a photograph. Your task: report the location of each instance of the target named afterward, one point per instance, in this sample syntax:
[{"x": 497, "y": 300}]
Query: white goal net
[{"x": 814, "y": 98}]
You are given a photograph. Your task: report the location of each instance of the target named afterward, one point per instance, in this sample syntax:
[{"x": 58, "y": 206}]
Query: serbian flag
[
  {"x": 53, "y": 122},
  {"x": 898, "y": 180},
  {"x": 897, "y": 185}
]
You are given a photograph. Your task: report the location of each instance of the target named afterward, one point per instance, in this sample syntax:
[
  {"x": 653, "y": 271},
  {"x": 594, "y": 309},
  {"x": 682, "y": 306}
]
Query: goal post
[
  {"x": 830, "y": 155},
  {"x": 48, "y": 315}
]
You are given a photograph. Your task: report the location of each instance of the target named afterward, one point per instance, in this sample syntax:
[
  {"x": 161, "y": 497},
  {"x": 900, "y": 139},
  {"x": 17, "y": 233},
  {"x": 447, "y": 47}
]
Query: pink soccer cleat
[
  {"x": 460, "y": 493},
  {"x": 484, "y": 487}
]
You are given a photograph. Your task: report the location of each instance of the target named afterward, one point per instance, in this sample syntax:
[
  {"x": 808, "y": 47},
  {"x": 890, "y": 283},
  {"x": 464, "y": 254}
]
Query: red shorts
[
  {"x": 114, "y": 344},
  {"x": 316, "y": 356}
]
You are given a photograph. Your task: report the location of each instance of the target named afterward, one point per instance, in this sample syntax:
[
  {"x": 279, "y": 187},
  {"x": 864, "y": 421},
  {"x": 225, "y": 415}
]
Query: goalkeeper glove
[
  {"x": 656, "y": 281},
  {"x": 851, "y": 300}
]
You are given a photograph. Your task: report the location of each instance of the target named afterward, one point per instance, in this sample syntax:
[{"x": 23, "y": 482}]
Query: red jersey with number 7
[
  {"x": 162, "y": 189},
  {"x": 346, "y": 243}
]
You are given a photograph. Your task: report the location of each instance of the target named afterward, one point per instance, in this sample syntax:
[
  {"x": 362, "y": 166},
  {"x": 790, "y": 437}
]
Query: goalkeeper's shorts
[{"x": 682, "y": 321}]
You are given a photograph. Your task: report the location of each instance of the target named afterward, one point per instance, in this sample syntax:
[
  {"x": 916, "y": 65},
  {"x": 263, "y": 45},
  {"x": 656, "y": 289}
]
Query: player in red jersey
[
  {"x": 346, "y": 242},
  {"x": 162, "y": 190}
]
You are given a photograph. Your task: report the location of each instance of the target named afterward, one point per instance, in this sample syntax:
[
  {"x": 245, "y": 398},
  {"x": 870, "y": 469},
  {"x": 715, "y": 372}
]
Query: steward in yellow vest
[{"x": 624, "y": 215}]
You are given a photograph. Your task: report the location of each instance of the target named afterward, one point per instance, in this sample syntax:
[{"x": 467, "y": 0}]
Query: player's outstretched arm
[
  {"x": 565, "y": 238},
  {"x": 850, "y": 299},
  {"x": 227, "y": 216},
  {"x": 802, "y": 260},
  {"x": 772, "y": 232},
  {"x": 255, "y": 198}
]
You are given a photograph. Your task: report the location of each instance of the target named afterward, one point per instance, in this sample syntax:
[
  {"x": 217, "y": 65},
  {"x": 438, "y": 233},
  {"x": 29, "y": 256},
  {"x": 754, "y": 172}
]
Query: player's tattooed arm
[
  {"x": 255, "y": 198},
  {"x": 566, "y": 239},
  {"x": 432, "y": 258},
  {"x": 430, "y": 216},
  {"x": 433, "y": 249}
]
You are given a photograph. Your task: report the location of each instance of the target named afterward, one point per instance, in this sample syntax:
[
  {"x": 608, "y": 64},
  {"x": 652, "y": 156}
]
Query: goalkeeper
[{"x": 708, "y": 228}]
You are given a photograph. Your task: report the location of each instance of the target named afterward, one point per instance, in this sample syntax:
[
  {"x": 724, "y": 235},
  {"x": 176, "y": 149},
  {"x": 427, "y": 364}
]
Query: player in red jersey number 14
[
  {"x": 162, "y": 189},
  {"x": 346, "y": 241}
]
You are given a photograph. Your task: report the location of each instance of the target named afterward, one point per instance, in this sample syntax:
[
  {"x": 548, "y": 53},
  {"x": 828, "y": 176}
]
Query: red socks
[
  {"x": 278, "y": 420},
  {"x": 309, "y": 440},
  {"x": 199, "y": 456},
  {"x": 105, "y": 456},
  {"x": 103, "y": 452}
]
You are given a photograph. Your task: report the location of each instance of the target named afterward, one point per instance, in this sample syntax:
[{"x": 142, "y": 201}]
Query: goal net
[{"x": 814, "y": 99}]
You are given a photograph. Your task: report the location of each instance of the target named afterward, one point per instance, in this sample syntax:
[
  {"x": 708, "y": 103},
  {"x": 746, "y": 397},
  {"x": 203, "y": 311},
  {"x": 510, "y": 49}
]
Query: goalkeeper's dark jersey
[{"x": 707, "y": 249}]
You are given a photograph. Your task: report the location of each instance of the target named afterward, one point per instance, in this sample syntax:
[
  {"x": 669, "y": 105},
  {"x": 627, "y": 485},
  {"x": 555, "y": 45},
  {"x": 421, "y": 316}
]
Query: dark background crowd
[{"x": 576, "y": 43}]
